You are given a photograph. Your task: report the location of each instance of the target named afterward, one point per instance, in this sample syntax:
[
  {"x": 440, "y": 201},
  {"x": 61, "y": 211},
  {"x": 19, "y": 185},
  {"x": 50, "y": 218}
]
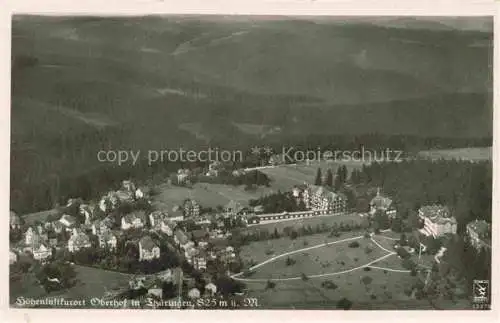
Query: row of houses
[
  {"x": 208, "y": 246},
  {"x": 41, "y": 239},
  {"x": 437, "y": 221},
  {"x": 128, "y": 192},
  {"x": 269, "y": 217}
]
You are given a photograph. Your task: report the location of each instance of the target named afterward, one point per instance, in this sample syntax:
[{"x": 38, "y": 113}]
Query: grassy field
[
  {"x": 313, "y": 222},
  {"x": 382, "y": 286},
  {"x": 286, "y": 176},
  {"x": 324, "y": 260},
  {"x": 208, "y": 195},
  {"x": 472, "y": 154},
  {"x": 256, "y": 129},
  {"x": 262, "y": 250},
  {"x": 92, "y": 282},
  {"x": 385, "y": 287},
  {"x": 38, "y": 216},
  {"x": 26, "y": 286}
]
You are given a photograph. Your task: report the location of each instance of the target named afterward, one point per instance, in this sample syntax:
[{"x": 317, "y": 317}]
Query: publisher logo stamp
[{"x": 480, "y": 291}]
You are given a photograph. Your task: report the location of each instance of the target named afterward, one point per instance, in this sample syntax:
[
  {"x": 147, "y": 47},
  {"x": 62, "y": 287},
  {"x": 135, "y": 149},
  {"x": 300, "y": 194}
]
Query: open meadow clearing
[
  {"x": 380, "y": 286},
  {"x": 260, "y": 251},
  {"x": 25, "y": 286},
  {"x": 325, "y": 260},
  {"x": 319, "y": 270},
  {"x": 94, "y": 282},
  {"x": 470, "y": 153},
  {"x": 327, "y": 220},
  {"x": 208, "y": 195},
  {"x": 284, "y": 177},
  {"x": 91, "y": 282}
]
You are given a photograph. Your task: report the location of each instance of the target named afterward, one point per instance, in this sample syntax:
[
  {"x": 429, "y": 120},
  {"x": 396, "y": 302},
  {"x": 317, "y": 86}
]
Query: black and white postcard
[{"x": 251, "y": 162}]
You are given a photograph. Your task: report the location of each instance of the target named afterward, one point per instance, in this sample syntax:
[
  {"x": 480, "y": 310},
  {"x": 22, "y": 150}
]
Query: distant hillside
[
  {"x": 456, "y": 115},
  {"x": 84, "y": 84}
]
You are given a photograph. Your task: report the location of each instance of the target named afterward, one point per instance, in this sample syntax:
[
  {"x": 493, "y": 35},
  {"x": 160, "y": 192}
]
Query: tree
[
  {"x": 354, "y": 244},
  {"x": 15, "y": 235},
  {"x": 302, "y": 205},
  {"x": 397, "y": 224},
  {"x": 276, "y": 234},
  {"x": 328, "y": 284},
  {"x": 317, "y": 180},
  {"x": 270, "y": 285},
  {"x": 355, "y": 177},
  {"x": 402, "y": 240},
  {"x": 344, "y": 304},
  {"x": 329, "y": 178},
  {"x": 381, "y": 220},
  {"x": 366, "y": 280},
  {"x": 344, "y": 173},
  {"x": 408, "y": 264},
  {"x": 433, "y": 245},
  {"x": 338, "y": 181},
  {"x": 56, "y": 275}
]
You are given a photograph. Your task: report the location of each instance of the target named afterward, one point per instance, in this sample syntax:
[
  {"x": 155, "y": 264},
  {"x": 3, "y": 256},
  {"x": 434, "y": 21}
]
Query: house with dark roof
[
  {"x": 29, "y": 235},
  {"x": 194, "y": 293},
  {"x": 199, "y": 235},
  {"x": 68, "y": 221},
  {"x": 125, "y": 196},
  {"x": 15, "y": 221},
  {"x": 34, "y": 232},
  {"x": 233, "y": 208},
  {"x": 182, "y": 240},
  {"x": 173, "y": 213},
  {"x": 58, "y": 227},
  {"x": 479, "y": 234},
  {"x": 108, "y": 203},
  {"x": 78, "y": 241},
  {"x": 142, "y": 192},
  {"x": 438, "y": 220},
  {"x": 13, "y": 257},
  {"x": 107, "y": 240},
  {"x": 41, "y": 251},
  {"x": 319, "y": 198},
  {"x": 87, "y": 210},
  {"x": 128, "y": 186},
  {"x": 191, "y": 208},
  {"x": 183, "y": 176},
  {"x": 134, "y": 220},
  {"x": 259, "y": 209},
  {"x": 148, "y": 250},
  {"x": 155, "y": 219},
  {"x": 101, "y": 226},
  {"x": 382, "y": 203},
  {"x": 168, "y": 226},
  {"x": 210, "y": 289},
  {"x": 199, "y": 261}
]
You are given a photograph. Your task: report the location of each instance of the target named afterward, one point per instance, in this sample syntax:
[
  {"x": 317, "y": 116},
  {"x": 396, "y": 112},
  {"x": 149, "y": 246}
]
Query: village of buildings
[{"x": 205, "y": 240}]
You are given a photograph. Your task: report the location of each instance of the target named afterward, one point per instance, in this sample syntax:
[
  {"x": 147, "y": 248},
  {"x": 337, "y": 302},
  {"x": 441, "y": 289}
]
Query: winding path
[
  {"x": 389, "y": 238},
  {"x": 390, "y": 269},
  {"x": 378, "y": 245},
  {"x": 389, "y": 253}
]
